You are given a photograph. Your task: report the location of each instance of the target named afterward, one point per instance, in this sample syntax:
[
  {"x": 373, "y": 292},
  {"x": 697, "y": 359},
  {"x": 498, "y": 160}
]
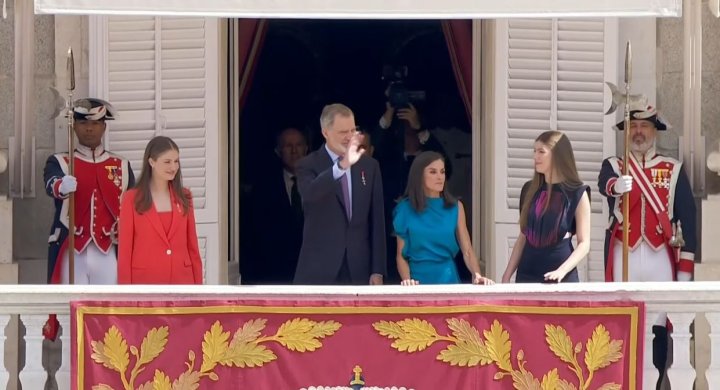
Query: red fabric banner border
[{"x": 373, "y": 343}]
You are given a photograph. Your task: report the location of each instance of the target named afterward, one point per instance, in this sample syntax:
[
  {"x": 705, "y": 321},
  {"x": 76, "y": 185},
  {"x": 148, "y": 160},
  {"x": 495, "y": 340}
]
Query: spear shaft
[
  {"x": 626, "y": 195},
  {"x": 71, "y": 164}
]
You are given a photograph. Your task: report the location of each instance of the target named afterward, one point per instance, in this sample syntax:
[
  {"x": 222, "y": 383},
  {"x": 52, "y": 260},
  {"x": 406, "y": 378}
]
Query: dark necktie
[
  {"x": 346, "y": 193},
  {"x": 295, "y": 201}
]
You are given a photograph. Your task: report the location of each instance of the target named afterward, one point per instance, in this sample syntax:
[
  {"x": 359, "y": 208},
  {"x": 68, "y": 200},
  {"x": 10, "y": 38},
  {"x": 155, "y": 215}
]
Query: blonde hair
[{"x": 562, "y": 161}]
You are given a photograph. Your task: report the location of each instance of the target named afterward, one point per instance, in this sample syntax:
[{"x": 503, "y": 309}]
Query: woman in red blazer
[{"x": 157, "y": 238}]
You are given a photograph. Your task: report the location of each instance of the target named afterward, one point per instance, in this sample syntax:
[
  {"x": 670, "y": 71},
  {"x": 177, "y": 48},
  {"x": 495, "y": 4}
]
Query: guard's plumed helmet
[
  {"x": 645, "y": 113},
  {"x": 93, "y": 109}
]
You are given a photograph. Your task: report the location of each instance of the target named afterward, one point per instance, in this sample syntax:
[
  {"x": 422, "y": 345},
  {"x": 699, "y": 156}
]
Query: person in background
[
  {"x": 158, "y": 239},
  {"x": 277, "y": 216},
  {"x": 366, "y": 144},
  {"x": 554, "y": 207},
  {"x": 99, "y": 179},
  {"x": 430, "y": 223}
]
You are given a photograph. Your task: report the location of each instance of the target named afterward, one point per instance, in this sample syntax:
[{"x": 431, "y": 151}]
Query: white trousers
[
  {"x": 644, "y": 265},
  {"x": 91, "y": 266}
]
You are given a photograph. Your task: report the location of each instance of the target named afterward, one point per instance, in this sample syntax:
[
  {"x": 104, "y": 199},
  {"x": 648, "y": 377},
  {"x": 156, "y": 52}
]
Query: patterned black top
[{"x": 547, "y": 229}]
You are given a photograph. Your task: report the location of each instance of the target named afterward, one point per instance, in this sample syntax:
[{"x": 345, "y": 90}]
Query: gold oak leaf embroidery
[
  {"x": 413, "y": 334},
  {"x": 248, "y": 355},
  {"x": 600, "y": 351},
  {"x": 250, "y": 331},
  {"x": 161, "y": 381},
  {"x": 153, "y": 344},
  {"x": 112, "y": 352},
  {"x": 389, "y": 329},
  {"x": 609, "y": 386},
  {"x": 187, "y": 381},
  {"x": 214, "y": 347},
  {"x": 565, "y": 385},
  {"x": 550, "y": 380},
  {"x": 498, "y": 345},
  {"x": 103, "y": 386},
  {"x": 244, "y": 349},
  {"x": 302, "y": 334},
  {"x": 468, "y": 349},
  {"x": 560, "y": 343},
  {"x": 525, "y": 380}
]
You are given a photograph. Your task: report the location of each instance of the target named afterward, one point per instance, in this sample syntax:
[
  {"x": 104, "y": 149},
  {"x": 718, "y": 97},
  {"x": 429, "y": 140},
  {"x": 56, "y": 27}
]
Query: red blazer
[{"x": 149, "y": 256}]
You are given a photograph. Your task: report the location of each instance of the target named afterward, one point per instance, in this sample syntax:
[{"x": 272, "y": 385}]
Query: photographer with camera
[{"x": 400, "y": 137}]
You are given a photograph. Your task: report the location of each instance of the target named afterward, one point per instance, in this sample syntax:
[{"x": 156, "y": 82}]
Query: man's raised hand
[{"x": 354, "y": 151}]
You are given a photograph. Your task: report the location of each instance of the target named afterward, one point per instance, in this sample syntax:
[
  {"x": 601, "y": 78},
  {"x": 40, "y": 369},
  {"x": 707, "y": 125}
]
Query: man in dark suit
[
  {"x": 342, "y": 195},
  {"x": 277, "y": 216}
]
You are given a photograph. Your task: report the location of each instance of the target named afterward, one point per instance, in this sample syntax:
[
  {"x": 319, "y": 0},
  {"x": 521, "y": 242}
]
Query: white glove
[
  {"x": 68, "y": 184},
  {"x": 683, "y": 276},
  {"x": 623, "y": 184}
]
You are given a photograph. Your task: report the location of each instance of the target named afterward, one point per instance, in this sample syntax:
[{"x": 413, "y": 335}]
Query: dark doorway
[{"x": 306, "y": 64}]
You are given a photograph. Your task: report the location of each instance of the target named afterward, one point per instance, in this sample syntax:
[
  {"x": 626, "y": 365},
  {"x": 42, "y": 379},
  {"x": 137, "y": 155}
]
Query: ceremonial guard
[
  {"x": 661, "y": 216},
  {"x": 100, "y": 178}
]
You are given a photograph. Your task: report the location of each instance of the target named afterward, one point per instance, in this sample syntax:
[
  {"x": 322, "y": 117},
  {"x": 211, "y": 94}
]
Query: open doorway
[{"x": 302, "y": 65}]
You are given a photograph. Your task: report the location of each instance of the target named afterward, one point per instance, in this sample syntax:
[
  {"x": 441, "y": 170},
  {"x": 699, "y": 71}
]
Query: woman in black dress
[{"x": 554, "y": 207}]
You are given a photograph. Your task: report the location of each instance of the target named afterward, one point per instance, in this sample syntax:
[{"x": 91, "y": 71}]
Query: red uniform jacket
[
  {"x": 147, "y": 255},
  {"x": 669, "y": 182},
  {"x": 102, "y": 177}
]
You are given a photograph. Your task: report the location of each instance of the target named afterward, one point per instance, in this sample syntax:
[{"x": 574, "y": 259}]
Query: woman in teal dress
[{"x": 430, "y": 227}]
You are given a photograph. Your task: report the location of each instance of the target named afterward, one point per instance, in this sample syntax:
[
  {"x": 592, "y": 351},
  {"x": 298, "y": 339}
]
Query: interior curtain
[
  {"x": 458, "y": 35},
  {"x": 251, "y": 34}
]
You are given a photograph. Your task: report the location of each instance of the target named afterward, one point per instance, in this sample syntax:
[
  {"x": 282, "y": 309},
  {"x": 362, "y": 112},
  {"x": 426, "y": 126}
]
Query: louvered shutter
[
  {"x": 551, "y": 77},
  {"x": 161, "y": 75}
]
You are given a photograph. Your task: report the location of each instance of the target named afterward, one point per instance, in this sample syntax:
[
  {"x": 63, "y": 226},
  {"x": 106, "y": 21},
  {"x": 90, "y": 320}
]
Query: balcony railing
[{"x": 685, "y": 303}]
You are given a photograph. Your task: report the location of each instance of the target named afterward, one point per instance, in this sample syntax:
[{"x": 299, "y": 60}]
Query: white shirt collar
[
  {"x": 649, "y": 154},
  {"x": 82, "y": 149},
  {"x": 333, "y": 156}
]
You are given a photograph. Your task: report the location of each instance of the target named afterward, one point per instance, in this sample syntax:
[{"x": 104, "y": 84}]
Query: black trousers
[{"x": 660, "y": 352}]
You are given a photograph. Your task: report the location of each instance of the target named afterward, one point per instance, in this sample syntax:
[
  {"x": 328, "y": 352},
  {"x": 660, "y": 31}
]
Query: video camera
[{"x": 399, "y": 96}]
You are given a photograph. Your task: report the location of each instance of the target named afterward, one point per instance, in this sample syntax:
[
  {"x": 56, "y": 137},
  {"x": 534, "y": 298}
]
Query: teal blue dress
[{"x": 430, "y": 241}]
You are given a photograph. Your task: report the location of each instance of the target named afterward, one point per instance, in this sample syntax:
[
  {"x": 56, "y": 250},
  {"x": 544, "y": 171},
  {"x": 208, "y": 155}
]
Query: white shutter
[
  {"x": 185, "y": 103},
  {"x": 161, "y": 75},
  {"x": 551, "y": 75},
  {"x": 529, "y": 89},
  {"x": 580, "y": 114},
  {"x": 132, "y": 86}
]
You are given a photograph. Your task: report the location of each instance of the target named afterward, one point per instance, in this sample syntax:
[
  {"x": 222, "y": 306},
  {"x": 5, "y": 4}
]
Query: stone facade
[
  {"x": 670, "y": 85},
  {"x": 31, "y": 214},
  {"x": 7, "y": 85},
  {"x": 711, "y": 93},
  {"x": 670, "y": 82}
]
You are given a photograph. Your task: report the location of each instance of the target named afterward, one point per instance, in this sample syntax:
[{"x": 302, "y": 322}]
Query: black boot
[{"x": 660, "y": 352}]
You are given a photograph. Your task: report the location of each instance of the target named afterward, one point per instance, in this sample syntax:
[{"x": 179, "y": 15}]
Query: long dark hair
[
  {"x": 562, "y": 161},
  {"x": 153, "y": 150},
  {"x": 415, "y": 190}
]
